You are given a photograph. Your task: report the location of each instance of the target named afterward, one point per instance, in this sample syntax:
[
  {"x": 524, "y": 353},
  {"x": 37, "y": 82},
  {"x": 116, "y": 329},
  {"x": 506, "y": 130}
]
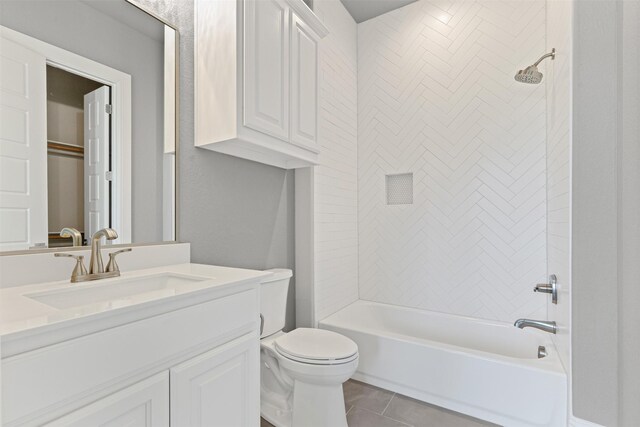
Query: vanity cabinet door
[
  {"x": 266, "y": 67},
  {"x": 141, "y": 405},
  {"x": 220, "y": 387},
  {"x": 304, "y": 83}
]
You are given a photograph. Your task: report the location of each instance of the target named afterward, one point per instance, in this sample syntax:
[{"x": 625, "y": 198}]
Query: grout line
[
  {"x": 384, "y": 416},
  {"x": 387, "y": 407}
]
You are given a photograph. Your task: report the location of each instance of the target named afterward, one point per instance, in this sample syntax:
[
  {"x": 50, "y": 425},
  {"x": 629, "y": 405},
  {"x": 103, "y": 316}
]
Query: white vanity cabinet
[
  {"x": 143, "y": 404},
  {"x": 217, "y": 388},
  {"x": 188, "y": 360},
  {"x": 256, "y": 80}
]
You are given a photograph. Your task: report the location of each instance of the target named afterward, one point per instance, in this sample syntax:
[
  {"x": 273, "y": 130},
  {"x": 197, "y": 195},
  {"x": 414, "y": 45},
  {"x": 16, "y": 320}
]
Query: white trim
[
  {"x": 305, "y": 248},
  {"x": 579, "y": 422},
  {"x": 120, "y": 120}
]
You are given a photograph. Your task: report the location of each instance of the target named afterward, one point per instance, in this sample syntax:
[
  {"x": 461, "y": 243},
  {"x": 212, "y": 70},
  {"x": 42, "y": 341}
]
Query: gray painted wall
[
  {"x": 605, "y": 206},
  {"x": 74, "y": 26},
  {"x": 233, "y": 212},
  {"x": 594, "y": 205},
  {"x": 629, "y": 177}
]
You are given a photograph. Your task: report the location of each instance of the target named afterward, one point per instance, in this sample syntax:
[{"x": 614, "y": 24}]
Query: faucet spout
[
  {"x": 543, "y": 325},
  {"x": 76, "y": 236},
  {"x": 95, "y": 262}
]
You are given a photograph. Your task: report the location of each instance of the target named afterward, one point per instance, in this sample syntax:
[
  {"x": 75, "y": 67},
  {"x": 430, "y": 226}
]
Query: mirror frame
[{"x": 177, "y": 156}]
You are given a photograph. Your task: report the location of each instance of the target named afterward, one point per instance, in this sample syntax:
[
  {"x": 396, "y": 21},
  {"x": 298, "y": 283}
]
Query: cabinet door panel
[
  {"x": 218, "y": 388},
  {"x": 144, "y": 404},
  {"x": 266, "y": 67},
  {"x": 304, "y": 84}
]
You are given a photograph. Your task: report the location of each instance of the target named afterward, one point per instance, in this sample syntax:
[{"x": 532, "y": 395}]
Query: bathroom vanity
[{"x": 175, "y": 345}]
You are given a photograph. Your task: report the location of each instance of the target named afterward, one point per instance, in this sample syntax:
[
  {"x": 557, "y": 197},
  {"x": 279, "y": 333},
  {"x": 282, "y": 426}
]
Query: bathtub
[{"x": 486, "y": 369}]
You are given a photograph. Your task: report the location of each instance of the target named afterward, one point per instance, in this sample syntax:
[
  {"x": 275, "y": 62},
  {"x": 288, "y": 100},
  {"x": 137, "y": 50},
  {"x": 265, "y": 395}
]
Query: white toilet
[{"x": 301, "y": 371}]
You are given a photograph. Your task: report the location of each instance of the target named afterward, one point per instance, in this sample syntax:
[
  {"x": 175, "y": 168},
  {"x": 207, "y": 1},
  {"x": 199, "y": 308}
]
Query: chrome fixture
[
  {"x": 96, "y": 269},
  {"x": 549, "y": 288},
  {"x": 531, "y": 74},
  {"x": 79, "y": 270},
  {"x": 542, "y": 352},
  {"x": 95, "y": 263},
  {"x": 261, "y": 323},
  {"x": 543, "y": 325},
  {"x": 112, "y": 265},
  {"x": 76, "y": 236}
]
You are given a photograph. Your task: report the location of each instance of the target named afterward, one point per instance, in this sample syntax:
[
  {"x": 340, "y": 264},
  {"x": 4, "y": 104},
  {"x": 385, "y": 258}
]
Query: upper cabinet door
[
  {"x": 304, "y": 83},
  {"x": 266, "y": 67}
]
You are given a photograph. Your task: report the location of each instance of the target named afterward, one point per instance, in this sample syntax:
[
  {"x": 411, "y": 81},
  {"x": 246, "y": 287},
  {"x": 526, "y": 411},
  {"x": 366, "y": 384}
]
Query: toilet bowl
[{"x": 301, "y": 371}]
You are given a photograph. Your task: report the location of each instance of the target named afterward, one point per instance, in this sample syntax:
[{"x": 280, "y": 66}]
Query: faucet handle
[
  {"x": 549, "y": 288},
  {"x": 112, "y": 265},
  {"x": 79, "y": 269}
]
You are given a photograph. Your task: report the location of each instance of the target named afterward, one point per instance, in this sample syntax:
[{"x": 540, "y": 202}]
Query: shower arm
[{"x": 552, "y": 55}]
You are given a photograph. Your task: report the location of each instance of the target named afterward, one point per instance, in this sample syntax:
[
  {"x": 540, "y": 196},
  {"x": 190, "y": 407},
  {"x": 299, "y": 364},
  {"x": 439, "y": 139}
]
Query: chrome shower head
[{"x": 531, "y": 74}]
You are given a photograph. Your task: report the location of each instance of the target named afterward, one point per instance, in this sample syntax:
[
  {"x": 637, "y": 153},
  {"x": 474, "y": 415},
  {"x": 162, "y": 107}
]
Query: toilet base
[
  {"x": 318, "y": 405},
  {"x": 275, "y": 415},
  {"x": 315, "y": 406}
]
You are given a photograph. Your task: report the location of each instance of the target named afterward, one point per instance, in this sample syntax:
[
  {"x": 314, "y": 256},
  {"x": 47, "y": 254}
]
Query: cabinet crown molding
[{"x": 310, "y": 18}]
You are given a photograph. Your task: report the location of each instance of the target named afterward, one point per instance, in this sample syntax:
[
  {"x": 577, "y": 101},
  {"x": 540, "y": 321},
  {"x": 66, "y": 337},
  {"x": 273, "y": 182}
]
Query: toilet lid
[{"x": 315, "y": 345}]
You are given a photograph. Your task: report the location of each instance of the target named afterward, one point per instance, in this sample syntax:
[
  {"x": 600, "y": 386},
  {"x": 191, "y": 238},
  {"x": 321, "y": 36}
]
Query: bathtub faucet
[{"x": 538, "y": 324}]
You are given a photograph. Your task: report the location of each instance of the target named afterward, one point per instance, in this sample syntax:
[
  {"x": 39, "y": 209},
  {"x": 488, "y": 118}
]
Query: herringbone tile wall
[
  {"x": 336, "y": 180},
  {"x": 559, "y": 29},
  {"x": 436, "y": 97}
]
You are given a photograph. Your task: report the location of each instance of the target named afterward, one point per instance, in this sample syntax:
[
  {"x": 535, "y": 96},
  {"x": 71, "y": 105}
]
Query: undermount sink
[{"x": 115, "y": 291}]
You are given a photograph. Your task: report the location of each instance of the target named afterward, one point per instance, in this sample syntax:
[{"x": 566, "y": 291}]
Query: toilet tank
[{"x": 273, "y": 300}]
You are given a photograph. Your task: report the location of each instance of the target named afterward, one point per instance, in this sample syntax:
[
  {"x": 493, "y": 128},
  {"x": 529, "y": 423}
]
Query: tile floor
[{"x": 369, "y": 406}]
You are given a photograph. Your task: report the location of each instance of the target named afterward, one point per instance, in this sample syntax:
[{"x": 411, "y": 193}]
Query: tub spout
[{"x": 543, "y": 325}]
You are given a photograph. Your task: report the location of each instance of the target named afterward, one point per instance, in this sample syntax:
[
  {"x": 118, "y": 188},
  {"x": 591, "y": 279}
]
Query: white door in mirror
[
  {"x": 23, "y": 148},
  {"x": 96, "y": 160}
]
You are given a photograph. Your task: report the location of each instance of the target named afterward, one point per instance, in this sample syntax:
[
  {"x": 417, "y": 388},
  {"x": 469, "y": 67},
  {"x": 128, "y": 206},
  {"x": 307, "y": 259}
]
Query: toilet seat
[{"x": 316, "y": 347}]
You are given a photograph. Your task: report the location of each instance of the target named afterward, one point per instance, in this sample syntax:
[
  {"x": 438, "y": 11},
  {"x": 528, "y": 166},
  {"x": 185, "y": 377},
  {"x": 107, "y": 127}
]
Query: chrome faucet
[
  {"x": 96, "y": 267},
  {"x": 95, "y": 263},
  {"x": 76, "y": 236},
  {"x": 543, "y": 325}
]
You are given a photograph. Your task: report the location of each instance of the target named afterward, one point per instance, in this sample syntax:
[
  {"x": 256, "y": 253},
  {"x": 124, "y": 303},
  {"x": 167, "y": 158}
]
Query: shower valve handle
[{"x": 549, "y": 288}]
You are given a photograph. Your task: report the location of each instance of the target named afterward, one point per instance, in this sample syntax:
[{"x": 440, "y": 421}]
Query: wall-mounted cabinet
[{"x": 256, "y": 80}]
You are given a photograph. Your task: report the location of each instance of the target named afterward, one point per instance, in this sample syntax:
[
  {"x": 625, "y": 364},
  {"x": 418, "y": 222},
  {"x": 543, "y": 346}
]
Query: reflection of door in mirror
[
  {"x": 23, "y": 167},
  {"x": 65, "y": 150},
  {"x": 78, "y": 140},
  {"x": 97, "y": 170}
]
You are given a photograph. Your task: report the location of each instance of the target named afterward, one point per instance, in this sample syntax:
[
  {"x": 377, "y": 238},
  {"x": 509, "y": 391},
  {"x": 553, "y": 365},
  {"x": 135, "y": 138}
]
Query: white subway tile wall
[
  {"x": 559, "y": 16},
  {"x": 336, "y": 180}
]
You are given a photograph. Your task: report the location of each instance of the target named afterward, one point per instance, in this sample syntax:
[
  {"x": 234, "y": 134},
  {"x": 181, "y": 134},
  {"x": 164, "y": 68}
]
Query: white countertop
[{"x": 21, "y": 314}]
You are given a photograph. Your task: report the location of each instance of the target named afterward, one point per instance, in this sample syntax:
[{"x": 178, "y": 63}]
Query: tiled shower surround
[
  {"x": 336, "y": 180},
  {"x": 437, "y": 98}
]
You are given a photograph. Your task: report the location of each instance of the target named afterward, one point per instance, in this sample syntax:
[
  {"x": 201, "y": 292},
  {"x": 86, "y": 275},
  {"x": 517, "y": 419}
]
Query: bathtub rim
[{"x": 549, "y": 364}]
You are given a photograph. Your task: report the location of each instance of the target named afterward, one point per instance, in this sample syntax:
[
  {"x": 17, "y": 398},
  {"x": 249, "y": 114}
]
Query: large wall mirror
[{"x": 87, "y": 123}]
